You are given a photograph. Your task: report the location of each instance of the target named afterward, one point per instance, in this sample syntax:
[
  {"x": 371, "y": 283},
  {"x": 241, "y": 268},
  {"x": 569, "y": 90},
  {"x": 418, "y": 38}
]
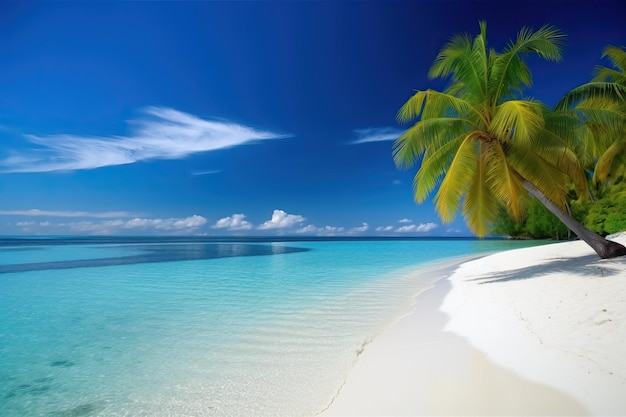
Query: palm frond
[
  {"x": 425, "y": 134},
  {"x": 434, "y": 165},
  {"x": 465, "y": 62},
  {"x": 502, "y": 181},
  {"x": 547, "y": 42},
  {"x": 480, "y": 206},
  {"x": 603, "y": 74},
  {"x": 510, "y": 71},
  {"x": 412, "y": 108},
  {"x": 457, "y": 179},
  {"x": 510, "y": 75},
  {"x": 539, "y": 172},
  {"x": 518, "y": 120},
  {"x": 617, "y": 56},
  {"x": 610, "y": 163},
  {"x": 448, "y": 60},
  {"x": 592, "y": 90}
]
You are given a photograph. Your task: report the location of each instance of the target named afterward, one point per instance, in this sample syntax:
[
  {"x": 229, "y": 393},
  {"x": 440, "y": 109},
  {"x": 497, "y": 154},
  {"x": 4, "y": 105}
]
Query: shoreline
[{"x": 510, "y": 333}]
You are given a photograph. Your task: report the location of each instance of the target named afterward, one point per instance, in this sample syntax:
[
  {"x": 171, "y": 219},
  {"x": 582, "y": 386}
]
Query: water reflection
[{"x": 161, "y": 253}]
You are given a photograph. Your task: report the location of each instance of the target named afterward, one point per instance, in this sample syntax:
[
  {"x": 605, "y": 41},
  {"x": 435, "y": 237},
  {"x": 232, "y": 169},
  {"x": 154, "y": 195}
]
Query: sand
[{"x": 534, "y": 331}]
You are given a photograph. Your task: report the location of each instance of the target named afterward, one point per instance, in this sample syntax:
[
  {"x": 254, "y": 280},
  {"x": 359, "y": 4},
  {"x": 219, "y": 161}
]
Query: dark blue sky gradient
[{"x": 314, "y": 73}]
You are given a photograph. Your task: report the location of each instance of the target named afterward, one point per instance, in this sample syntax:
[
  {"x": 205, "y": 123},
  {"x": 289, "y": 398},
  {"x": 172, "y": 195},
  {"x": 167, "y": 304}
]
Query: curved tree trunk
[{"x": 603, "y": 247}]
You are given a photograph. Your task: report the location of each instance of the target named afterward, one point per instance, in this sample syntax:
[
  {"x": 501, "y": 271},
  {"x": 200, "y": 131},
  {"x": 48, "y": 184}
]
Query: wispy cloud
[
  {"x": 55, "y": 213},
  {"x": 191, "y": 222},
  {"x": 321, "y": 231},
  {"x": 163, "y": 133},
  {"x": 209, "y": 172},
  {"x": 234, "y": 222},
  {"x": 377, "y": 134},
  {"x": 281, "y": 220},
  {"x": 187, "y": 225},
  {"x": 311, "y": 229},
  {"x": 384, "y": 229},
  {"x": 415, "y": 228},
  {"x": 359, "y": 229},
  {"x": 408, "y": 228}
]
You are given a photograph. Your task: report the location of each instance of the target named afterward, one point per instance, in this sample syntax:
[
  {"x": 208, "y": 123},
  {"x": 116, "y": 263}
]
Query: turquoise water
[{"x": 199, "y": 328}]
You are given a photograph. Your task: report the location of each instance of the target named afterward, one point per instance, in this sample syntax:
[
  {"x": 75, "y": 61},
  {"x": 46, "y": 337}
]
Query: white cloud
[
  {"x": 405, "y": 221},
  {"x": 309, "y": 229},
  {"x": 384, "y": 228},
  {"x": 360, "y": 229},
  {"x": 234, "y": 222},
  {"x": 107, "y": 227},
  {"x": 55, "y": 213},
  {"x": 164, "y": 134},
  {"x": 281, "y": 220},
  {"x": 210, "y": 172},
  {"x": 187, "y": 225},
  {"x": 190, "y": 222},
  {"x": 321, "y": 231},
  {"x": 25, "y": 224},
  {"x": 421, "y": 228},
  {"x": 377, "y": 134},
  {"x": 332, "y": 230}
]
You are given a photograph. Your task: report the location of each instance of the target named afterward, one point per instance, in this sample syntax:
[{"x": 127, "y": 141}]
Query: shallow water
[{"x": 175, "y": 328}]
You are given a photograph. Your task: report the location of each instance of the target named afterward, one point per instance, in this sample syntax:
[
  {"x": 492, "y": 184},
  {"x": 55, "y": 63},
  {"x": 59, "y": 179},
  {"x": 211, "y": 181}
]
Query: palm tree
[
  {"x": 602, "y": 103},
  {"x": 483, "y": 146}
]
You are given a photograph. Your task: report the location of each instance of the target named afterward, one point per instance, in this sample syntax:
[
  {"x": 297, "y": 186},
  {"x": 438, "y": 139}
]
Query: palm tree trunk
[{"x": 603, "y": 247}]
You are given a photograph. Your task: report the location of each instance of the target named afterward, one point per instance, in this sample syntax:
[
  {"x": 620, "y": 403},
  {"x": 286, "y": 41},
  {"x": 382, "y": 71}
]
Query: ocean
[{"x": 199, "y": 326}]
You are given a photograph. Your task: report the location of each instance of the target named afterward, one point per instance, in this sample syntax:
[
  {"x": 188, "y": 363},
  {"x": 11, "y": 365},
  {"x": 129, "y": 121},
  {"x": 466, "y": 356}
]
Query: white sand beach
[{"x": 535, "y": 331}]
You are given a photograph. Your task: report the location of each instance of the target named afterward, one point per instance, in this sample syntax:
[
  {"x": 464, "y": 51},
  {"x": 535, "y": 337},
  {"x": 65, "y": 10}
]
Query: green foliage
[
  {"x": 506, "y": 226},
  {"x": 604, "y": 215},
  {"x": 608, "y": 214},
  {"x": 539, "y": 223}
]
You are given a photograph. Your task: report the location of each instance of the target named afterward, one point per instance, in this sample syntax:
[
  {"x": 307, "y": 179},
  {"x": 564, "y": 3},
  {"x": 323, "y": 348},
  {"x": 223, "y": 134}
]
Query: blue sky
[{"x": 240, "y": 118}]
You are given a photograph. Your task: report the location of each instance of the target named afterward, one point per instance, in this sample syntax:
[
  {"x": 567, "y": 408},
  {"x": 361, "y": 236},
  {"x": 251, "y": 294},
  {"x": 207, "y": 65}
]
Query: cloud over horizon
[
  {"x": 234, "y": 222},
  {"x": 61, "y": 213},
  {"x": 172, "y": 225},
  {"x": 408, "y": 228},
  {"x": 421, "y": 228},
  {"x": 281, "y": 220},
  {"x": 163, "y": 133}
]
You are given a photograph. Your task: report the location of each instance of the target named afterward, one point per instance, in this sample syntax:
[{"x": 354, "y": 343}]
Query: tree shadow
[{"x": 586, "y": 266}]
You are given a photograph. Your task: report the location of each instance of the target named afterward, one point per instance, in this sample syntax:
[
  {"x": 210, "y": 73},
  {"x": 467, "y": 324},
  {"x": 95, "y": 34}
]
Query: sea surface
[{"x": 199, "y": 326}]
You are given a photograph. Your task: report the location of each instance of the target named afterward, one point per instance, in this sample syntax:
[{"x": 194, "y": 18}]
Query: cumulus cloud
[
  {"x": 377, "y": 134},
  {"x": 234, "y": 222},
  {"x": 384, "y": 229},
  {"x": 414, "y": 228},
  {"x": 56, "y": 213},
  {"x": 163, "y": 133},
  {"x": 405, "y": 221},
  {"x": 281, "y": 220}
]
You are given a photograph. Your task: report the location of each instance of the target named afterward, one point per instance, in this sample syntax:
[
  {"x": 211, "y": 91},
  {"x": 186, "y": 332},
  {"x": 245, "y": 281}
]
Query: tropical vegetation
[
  {"x": 602, "y": 153},
  {"x": 483, "y": 147}
]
